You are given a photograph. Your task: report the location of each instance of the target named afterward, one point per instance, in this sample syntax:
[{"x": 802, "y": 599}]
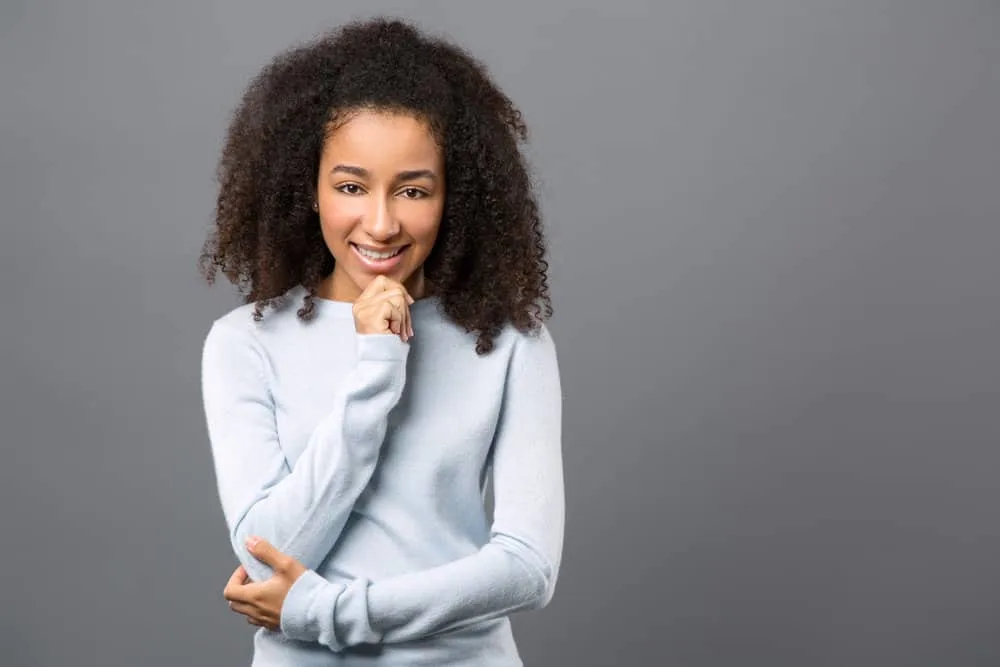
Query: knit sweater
[{"x": 366, "y": 458}]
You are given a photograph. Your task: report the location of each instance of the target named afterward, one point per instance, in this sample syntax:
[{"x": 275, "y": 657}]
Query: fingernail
[{"x": 252, "y": 542}]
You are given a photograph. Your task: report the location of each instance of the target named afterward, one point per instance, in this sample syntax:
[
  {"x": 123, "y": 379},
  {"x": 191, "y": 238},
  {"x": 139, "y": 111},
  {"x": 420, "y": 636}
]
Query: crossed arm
[
  {"x": 516, "y": 569},
  {"x": 300, "y": 510}
]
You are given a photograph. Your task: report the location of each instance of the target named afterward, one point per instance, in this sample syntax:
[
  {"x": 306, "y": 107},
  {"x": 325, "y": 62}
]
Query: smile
[
  {"x": 379, "y": 261},
  {"x": 377, "y": 255}
]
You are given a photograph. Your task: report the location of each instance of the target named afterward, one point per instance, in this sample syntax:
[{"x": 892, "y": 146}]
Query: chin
[{"x": 364, "y": 278}]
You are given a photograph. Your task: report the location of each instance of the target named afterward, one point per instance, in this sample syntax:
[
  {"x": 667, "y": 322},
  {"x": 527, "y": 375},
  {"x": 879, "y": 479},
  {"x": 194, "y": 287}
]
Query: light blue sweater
[{"x": 366, "y": 459}]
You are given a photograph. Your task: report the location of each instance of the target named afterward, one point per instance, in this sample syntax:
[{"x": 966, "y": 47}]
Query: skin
[
  {"x": 261, "y": 602},
  {"x": 380, "y": 186}
]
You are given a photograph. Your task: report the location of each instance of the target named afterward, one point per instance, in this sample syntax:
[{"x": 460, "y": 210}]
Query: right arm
[{"x": 300, "y": 510}]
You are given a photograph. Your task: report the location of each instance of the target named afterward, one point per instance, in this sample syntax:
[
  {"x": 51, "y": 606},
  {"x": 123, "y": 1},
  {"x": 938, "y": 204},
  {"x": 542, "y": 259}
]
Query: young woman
[{"x": 378, "y": 215}]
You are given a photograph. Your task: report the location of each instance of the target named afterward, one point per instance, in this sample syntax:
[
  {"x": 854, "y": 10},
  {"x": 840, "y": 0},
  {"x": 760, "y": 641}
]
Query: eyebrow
[{"x": 408, "y": 175}]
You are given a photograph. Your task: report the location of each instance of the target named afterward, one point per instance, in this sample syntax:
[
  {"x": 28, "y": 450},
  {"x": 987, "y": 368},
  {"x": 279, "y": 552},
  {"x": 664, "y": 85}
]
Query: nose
[{"x": 380, "y": 224}]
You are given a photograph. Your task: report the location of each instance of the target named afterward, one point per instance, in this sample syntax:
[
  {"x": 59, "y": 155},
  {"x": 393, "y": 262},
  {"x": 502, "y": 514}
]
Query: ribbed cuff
[
  {"x": 381, "y": 347},
  {"x": 351, "y": 618},
  {"x": 308, "y": 609}
]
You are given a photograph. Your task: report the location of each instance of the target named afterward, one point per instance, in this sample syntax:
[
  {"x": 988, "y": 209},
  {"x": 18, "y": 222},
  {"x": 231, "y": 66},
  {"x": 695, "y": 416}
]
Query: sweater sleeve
[
  {"x": 515, "y": 570},
  {"x": 302, "y": 509}
]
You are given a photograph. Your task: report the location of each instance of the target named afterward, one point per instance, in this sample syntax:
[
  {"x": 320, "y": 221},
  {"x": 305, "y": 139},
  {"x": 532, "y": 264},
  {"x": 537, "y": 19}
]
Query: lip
[{"x": 379, "y": 265}]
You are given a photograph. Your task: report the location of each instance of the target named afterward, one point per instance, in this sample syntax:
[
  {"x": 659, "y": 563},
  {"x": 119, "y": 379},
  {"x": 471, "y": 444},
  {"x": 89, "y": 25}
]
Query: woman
[{"x": 392, "y": 351}]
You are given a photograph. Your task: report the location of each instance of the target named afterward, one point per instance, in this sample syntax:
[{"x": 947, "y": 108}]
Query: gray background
[{"x": 773, "y": 226}]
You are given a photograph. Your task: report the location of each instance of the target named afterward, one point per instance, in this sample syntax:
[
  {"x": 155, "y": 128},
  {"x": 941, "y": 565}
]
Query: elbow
[
  {"x": 237, "y": 539},
  {"x": 238, "y": 535},
  {"x": 543, "y": 584},
  {"x": 538, "y": 569},
  {"x": 550, "y": 591},
  {"x": 546, "y": 590}
]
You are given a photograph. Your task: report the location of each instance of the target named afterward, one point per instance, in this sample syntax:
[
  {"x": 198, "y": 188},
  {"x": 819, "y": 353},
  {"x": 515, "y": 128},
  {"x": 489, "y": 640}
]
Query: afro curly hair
[{"x": 488, "y": 265}]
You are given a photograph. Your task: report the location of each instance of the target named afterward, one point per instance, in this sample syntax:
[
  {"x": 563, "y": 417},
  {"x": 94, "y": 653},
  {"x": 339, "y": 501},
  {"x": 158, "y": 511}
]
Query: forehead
[{"x": 375, "y": 139}]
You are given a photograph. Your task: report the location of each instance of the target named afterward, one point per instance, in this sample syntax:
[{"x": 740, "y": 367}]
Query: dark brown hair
[{"x": 488, "y": 265}]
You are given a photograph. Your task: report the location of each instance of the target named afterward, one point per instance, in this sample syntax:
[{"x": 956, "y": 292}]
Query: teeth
[{"x": 371, "y": 254}]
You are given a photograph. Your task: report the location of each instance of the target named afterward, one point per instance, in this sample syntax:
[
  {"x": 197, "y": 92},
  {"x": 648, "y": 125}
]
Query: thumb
[{"x": 263, "y": 551}]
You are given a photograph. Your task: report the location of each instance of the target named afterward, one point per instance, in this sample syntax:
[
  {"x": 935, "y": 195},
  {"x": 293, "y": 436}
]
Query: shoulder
[
  {"x": 231, "y": 340},
  {"x": 538, "y": 339},
  {"x": 239, "y": 319},
  {"x": 237, "y": 331},
  {"x": 534, "y": 348},
  {"x": 531, "y": 373},
  {"x": 279, "y": 315}
]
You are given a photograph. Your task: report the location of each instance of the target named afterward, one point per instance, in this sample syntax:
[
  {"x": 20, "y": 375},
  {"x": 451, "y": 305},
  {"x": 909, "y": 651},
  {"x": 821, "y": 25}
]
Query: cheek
[
  {"x": 337, "y": 226},
  {"x": 425, "y": 227}
]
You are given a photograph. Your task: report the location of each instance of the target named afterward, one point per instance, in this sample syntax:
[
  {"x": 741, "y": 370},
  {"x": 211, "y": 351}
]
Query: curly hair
[{"x": 488, "y": 266}]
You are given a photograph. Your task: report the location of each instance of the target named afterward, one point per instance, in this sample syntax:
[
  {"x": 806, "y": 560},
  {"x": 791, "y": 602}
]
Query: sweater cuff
[
  {"x": 381, "y": 347},
  {"x": 308, "y": 608},
  {"x": 350, "y": 615}
]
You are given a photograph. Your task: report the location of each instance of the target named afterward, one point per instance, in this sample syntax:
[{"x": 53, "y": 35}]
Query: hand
[
  {"x": 384, "y": 307},
  {"x": 261, "y": 602}
]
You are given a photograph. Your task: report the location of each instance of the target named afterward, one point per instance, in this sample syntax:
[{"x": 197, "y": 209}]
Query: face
[{"x": 380, "y": 195}]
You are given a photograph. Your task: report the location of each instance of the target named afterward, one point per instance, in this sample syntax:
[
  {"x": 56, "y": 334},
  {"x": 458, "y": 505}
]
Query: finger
[
  {"x": 236, "y": 591},
  {"x": 238, "y": 578},
  {"x": 378, "y": 284},
  {"x": 404, "y": 319},
  {"x": 241, "y": 592},
  {"x": 396, "y": 294},
  {"x": 401, "y": 289},
  {"x": 266, "y": 552},
  {"x": 244, "y": 608},
  {"x": 406, "y": 294},
  {"x": 392, "y": 315},
  {"x": 251, "y": 613},
  {"x": 401, "y": 318},
  {"x": 404, "y": 324}
]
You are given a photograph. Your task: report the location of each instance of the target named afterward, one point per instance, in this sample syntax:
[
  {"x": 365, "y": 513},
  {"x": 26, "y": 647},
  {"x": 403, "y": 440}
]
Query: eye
[
  {"x": 413, "y": 193},
  {"x": 349, "y": 189}
]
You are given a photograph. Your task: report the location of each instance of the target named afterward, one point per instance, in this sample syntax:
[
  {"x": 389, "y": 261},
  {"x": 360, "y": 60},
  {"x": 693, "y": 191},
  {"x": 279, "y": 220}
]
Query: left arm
[{"x": 517, "y": 569}]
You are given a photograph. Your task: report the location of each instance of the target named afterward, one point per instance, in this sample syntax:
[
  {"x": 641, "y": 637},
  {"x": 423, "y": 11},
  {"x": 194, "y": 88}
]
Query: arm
[
  {"x": 302, "y": 510},
  {"x": 517, "y": 569}
]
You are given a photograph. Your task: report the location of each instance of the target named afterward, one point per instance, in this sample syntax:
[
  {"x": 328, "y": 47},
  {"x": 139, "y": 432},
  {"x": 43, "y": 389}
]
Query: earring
[{"x": 316, "y": 207}]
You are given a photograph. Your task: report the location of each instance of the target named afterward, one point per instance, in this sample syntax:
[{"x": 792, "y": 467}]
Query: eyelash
[{"x": 420, "y": 194}]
